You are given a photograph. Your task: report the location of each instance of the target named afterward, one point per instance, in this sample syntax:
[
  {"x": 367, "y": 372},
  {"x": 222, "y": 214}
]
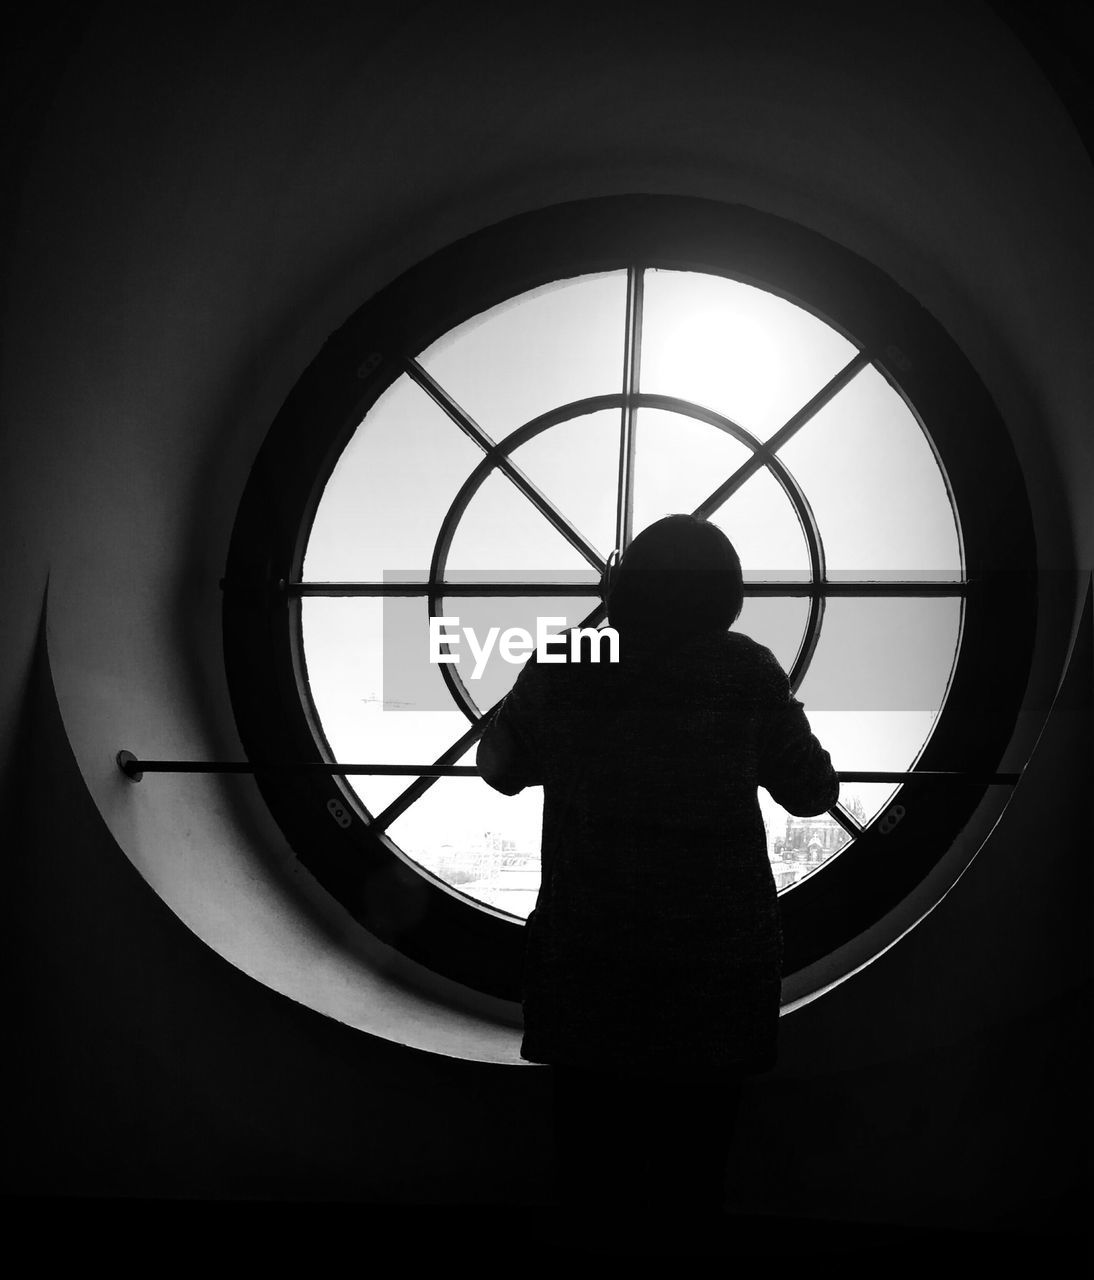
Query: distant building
[{"x": 806, "y": 843}]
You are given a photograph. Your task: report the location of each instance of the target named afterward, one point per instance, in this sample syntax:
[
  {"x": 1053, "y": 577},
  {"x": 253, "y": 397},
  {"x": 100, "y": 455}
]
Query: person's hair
[{"x": 681, "y": 574}]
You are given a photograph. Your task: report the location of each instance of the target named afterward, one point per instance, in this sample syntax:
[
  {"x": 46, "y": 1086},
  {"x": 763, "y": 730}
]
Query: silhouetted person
[{"x": 654, "y": 954}]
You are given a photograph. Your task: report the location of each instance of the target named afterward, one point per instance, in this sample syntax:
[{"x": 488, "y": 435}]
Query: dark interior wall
[
  {"x": 141, "y": 1064},
  {"x": 951, "y": 1068},
  {"x": 204, "y": 196}
]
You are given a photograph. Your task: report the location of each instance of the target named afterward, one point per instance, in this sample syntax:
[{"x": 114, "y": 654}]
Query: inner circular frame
[{"x": 639, "y": 400}]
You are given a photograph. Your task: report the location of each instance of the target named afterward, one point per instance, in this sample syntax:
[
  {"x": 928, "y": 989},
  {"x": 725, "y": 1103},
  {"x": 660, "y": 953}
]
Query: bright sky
[{"x": 882, "y": 666}]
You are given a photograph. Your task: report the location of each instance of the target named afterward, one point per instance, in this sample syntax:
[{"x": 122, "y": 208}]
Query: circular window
[{"x": 464, "y": 454}]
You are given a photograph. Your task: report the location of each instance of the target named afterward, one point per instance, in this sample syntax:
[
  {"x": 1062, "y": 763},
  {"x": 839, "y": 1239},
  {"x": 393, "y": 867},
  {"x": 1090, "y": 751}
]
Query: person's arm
[
  {"x": 506, "y": 755},
  {"x": 793, "y": 765}
]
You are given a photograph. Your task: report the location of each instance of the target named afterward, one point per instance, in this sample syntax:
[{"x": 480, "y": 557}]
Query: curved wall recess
[{"x": 207, "y": 845}]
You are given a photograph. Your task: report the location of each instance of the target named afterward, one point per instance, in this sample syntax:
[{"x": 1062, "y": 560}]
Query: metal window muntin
[
  {"x": 626, "y": 401},
  {"x": 439, "y": 927}
]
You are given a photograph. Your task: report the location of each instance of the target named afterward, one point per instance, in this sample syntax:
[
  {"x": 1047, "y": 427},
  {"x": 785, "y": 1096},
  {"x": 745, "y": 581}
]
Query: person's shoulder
[
  {"x": 756, "y": 660},
  {"x": 746, "y": 649}
]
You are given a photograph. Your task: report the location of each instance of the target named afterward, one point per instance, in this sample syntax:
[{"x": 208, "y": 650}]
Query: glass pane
[
  {"x": 799, "y": 846},
  {"x": 390, "y": 489},
  {"x": 677, "y": 462},
  {"x": 875, "y": 487},
  {"x": 866, "y": 740},
  {"x": 477, "y": 840},
  {"x": 576, "y": 466},
  {"x": 865, "y": 800},
  {"x": 778, "y": 622},
  {"x": 372, "y": 712},
  {"x": 539, "y": 350},
  {"x": 876, "y": 685},
  {"x": 745, "y": 353},
  {"x": 761, "y": 522},
  {"x": 503, "y": 530},
  {"x": 883, "y": 654}
]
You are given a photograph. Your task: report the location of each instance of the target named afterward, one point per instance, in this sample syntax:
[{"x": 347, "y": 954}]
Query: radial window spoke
[
  {"x": 420, "y": 786},
  {"x": 832, "y": 389},
  {"x": 585, "y": 492},
  {"x": 506, "y": 466},
  {"x": 405, "y": 456},
  {"x": 499, "y": 531}
]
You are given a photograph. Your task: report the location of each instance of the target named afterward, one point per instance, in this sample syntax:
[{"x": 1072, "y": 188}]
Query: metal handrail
[{"x": 135, "y": 768}]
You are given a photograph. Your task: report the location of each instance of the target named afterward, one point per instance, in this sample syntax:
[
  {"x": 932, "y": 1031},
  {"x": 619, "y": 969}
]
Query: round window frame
[{"x": 404, "y": 905}]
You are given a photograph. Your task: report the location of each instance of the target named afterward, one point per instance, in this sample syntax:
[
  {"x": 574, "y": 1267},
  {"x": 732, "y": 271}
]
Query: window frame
[{"x": 408, "y": 907}]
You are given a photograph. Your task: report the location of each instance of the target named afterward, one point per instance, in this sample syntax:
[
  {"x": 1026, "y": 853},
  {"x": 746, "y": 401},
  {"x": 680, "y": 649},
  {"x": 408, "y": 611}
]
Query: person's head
[{"x": 681, "y": 574}]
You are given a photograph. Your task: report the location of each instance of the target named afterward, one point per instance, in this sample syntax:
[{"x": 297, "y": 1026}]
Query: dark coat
[{"x": 655, "y": 946}]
